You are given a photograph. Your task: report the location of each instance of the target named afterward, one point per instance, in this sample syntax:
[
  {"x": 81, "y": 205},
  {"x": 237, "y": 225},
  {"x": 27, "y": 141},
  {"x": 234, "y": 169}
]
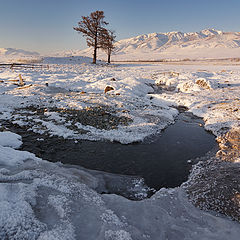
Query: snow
[
  {"x": 13, "y": 51},
  {"x": 12, "y": 55},
  {"x": 44, "y": 200},
  {"x": 206, "y": 44},
  {"x": 9, "y": 139},
  {"x": 9, "y": 156},
  {"x": 65, "y": 84},
  {"x": 210, "y": 95},
  {"x": 68, "y": 58}
]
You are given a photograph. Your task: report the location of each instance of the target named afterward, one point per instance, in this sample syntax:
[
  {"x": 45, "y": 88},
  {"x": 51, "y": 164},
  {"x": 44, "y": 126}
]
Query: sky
[{"x": 46, "y": 26}]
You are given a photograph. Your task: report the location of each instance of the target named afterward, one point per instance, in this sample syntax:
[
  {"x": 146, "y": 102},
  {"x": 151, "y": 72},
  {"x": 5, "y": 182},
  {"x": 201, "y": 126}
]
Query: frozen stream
[
  {"x": 161, "y": 160},
  {"x": 46, "y": 200}
]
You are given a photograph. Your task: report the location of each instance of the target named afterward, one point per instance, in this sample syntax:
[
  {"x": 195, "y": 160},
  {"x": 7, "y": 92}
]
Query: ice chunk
[
  {"x": 9, "y": 139},
  {"x": 11, "y": 157}
]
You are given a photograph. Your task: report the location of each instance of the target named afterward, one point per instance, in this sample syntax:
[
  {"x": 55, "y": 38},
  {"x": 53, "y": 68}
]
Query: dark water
[{"x": 161, "y": 160}]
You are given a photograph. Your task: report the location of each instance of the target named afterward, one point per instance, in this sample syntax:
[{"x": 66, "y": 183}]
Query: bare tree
[
  {"x": 91, "y": 27},
  {"x": 107, "y": 40}
]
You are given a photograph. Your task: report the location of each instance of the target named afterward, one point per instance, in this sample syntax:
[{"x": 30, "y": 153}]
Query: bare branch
[{"x": 107, "y": 40}]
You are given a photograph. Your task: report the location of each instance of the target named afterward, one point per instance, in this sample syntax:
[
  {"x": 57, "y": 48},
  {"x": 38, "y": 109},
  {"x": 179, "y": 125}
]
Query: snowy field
[{"x": 43, "y": 200}]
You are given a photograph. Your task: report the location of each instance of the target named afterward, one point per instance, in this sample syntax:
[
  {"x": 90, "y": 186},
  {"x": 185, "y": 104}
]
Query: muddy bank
[
  {"x": 229, "y": 144},
  {"x": 100, "y": 117}
]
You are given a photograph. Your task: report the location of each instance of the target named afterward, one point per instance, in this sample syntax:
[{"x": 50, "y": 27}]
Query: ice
[
  {"x": 9, "y": 156},
  {"x": 9, "y": 139},
  {"x": 52, "y": 202},
  {"x": 17, "y": 219},
  {"x": 117, "y": 235}
]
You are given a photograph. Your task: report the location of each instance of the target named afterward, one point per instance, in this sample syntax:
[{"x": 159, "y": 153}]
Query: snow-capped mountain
[
  {"x": 206, "y": 44},
  {"x": 209, "y": 43},
  {"x": 17, "y": 55}
]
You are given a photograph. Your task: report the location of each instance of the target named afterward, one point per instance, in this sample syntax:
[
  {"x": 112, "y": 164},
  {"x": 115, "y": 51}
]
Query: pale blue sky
[{"x": 47, "y": 25}]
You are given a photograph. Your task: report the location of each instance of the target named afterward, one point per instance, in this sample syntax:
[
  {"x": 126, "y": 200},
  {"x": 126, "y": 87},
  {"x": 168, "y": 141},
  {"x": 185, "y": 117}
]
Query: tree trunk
[
  {"x": 95, "y": 56},
  {"x": 109, "y": 56},
  {"x": 95, "y": 50}
]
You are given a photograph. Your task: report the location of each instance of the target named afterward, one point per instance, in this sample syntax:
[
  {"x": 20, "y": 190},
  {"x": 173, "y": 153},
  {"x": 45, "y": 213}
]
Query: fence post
[{"x": 21, "y": 83}]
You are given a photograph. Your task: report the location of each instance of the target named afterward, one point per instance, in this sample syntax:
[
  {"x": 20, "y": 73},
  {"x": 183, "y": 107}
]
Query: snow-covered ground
[
  {"x": 209, "y": 92},
  {"x": 43, "y": 200},
  {"x": 81, "y": 87}
]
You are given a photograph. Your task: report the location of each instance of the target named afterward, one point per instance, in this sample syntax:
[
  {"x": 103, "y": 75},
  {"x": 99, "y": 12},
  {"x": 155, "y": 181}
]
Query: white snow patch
[
  {"x": 9, "y": 139},
  {"x": 11, "y": 157}
]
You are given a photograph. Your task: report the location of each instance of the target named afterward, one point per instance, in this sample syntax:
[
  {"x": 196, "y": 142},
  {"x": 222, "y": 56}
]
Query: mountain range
[{"x": 208, "y": 43}]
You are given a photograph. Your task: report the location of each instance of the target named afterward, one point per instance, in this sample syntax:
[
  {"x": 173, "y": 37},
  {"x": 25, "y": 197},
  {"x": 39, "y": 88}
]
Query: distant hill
[
  {"x": 9, "y": 55},
  {"x": 12, "y": 55},
  {"x": 209, "y": 43}
]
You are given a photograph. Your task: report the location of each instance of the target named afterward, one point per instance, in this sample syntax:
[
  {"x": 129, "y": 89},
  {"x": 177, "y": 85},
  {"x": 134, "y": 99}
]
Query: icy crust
[
  {"x": 43, "y": 200},
  {"x": 9, "y": 156},
  {"x": 214, "y": 185},
  {"x": 9, "y": 139}
]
